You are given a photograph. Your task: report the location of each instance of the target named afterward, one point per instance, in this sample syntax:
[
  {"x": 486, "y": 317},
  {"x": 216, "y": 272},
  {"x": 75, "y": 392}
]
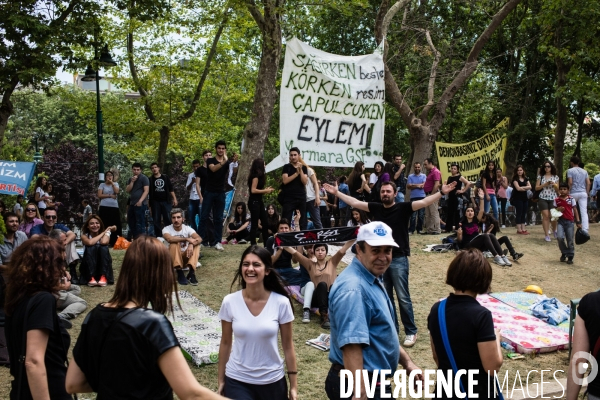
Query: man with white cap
[{"x": 363, "y": 332}]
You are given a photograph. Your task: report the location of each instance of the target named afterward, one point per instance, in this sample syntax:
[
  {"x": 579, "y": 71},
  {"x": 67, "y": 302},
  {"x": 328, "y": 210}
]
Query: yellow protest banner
[{"x": 472, "y": 157}]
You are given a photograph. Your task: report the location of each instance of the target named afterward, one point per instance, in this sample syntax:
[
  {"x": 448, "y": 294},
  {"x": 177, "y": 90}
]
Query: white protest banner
[
  {"x": 331, "y": 107},
  {"x": 472, "y": 157}
]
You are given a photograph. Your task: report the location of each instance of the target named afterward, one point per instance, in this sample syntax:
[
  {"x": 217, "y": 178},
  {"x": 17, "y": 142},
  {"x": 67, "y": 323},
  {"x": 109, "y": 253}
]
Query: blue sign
[{"x": 15, "y": 177}]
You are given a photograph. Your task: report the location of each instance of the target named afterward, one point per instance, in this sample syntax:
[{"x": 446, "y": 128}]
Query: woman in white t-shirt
[
  {"x": 547, "y": 181},
  {"x": 108, "y": 192},
  {"x": 40, "y": 194},
  {"x": 255, "y": 315}
]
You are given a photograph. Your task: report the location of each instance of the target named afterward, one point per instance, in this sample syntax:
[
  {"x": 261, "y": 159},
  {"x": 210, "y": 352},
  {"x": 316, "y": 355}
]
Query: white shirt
[
  {"x": 578, "y": 176},
  {"x": 231, "y": 167},
  {"x": 193, "y": 193},
  {"x": 41, "y": 203},
  {"x": 310, "y": 189},
  {"x": 255, "y": 357},
  {"x": 373, "y": 178},
  {"x": 185, "y": 232}
]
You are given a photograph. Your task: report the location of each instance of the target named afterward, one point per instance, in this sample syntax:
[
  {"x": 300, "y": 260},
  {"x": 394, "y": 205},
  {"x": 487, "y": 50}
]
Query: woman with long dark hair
[
  {"x": 255, "y": 315},
  {"x": 501, "y": 186},
  {"x": 109, "y": 212},
  {"x": 37, "y": 340},
  {"x": 453, "y": 214},
  {"x": 127, "y": 347},
  {"x": 40, "y": 194},
  {"x": 31, "y": 218},
  {"x": 239, "y": 225},
  {"x": 256, "y": 185},
  {"x": 547, "y": 181},
  {"x": 469, "y": 236},
  {"x": 488, "y": 183},
  {"x": 359, "y": 218},
  {"x": 357, "y": 182},
  {"x": 377, "y": 171},
  {"x": 272, "y": 221},
  {"x": 518, "y": 197},
  {"x": 96, "y": 265}
]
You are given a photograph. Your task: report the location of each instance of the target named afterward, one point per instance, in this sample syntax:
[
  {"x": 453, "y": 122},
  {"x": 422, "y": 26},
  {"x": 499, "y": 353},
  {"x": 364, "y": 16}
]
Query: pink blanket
[{"x": 294, "y": 291}]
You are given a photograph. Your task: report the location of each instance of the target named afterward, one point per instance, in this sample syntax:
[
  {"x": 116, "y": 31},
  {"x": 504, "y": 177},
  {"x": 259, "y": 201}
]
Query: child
[{"x": 566, "y": 204}]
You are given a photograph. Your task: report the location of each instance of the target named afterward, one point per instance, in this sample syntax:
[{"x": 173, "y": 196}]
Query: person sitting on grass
[
  {"x": 468, "y": 234},
  {"x": 489, "y": 224},
  {"x": 184, "y": 247},
  {"x": 567, "y": 206},
  {"x": 96, "y": 266},
  {"x": 238, "y": 228},
  {"x": 322, "y": 275},
  {"x": 282, "y": 260}
]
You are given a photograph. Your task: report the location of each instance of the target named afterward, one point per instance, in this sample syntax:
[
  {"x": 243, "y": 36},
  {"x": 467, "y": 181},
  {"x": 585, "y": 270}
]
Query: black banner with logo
[{"x": 314, "y": 236}]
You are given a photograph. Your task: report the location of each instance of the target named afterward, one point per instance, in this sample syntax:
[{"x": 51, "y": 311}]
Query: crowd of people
[{"x": 132, "y": 333}]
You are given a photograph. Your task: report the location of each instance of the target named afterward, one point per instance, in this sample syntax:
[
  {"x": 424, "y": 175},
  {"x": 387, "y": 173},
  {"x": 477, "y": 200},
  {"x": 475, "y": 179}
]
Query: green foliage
[{"x": 592, "y": 170}]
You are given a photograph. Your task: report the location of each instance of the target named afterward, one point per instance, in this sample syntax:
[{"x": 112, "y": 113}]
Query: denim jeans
[
  {"x": 494, "y": 203},
  {"x": 565, "y": 231},
  {"x": 417, "y": 217},
  {"x": 136, "y": 219},
  {"x": 193, "y": 210},
  {"x": 213, "y": 202},
  {"x": 399, "y": 197},
  {"x": 396, "y": 277},
  {"x": 160, "y": 209},
  {"x": 315, "y": 214}
]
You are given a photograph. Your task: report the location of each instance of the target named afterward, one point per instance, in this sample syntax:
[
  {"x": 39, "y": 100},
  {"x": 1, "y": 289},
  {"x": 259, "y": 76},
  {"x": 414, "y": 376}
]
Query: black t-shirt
[
  {"x": 458, "y": 184},
  {"x": 215, "y": 181},
  {"x": 283, "y": 265},
  {"x": 397, "y": 217},
  {"x": 202, "y": 173},
  {"x": 160, "y": 188},
  {"x": 401, "y": 181},
  {"x": 589, "y": 311},
  {"x": 42, "y": 315},
  {"x": 259, "y": 185},
  {"x": 518, "y": 195},
  {"x": 470, "y": 231},
  {"x": 295, "y": 187},
  {"x": 467, "y": 323},
  {"x": 121, "y": 362}
]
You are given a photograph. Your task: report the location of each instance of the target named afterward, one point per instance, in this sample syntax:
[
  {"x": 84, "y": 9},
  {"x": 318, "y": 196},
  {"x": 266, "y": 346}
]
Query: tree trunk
[
  {"x": 163, "y": 144},
  {"x": 6, "y": 109},
  {"x": 265, "y": 95},
  {"x": 561, "y": 118},
  {"x": 580, "y": 119}
]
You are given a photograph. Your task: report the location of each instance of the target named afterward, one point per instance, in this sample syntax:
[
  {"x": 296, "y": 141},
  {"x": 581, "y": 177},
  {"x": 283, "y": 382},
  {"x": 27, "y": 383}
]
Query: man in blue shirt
[
  {"x": 342, "y": 206},
  {"x": 365, "y": 338},
  {"x": 416, "y": 181}
]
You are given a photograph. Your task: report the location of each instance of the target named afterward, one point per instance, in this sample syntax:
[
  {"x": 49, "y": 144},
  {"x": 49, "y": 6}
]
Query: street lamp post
[{"x": 104, "y": 60}]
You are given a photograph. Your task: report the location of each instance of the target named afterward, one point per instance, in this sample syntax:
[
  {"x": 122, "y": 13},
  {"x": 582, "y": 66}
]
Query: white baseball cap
[{"x": 376, "y": 234}]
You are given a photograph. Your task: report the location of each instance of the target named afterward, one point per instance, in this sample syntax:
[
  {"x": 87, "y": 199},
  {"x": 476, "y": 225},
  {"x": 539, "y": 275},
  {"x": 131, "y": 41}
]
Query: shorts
[{"x": 545, "y": 204}]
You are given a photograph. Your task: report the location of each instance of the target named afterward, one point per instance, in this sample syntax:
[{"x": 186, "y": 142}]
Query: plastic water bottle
[
  {"x": 332, "y": 219},
  {"x": 507, "y": 346}
]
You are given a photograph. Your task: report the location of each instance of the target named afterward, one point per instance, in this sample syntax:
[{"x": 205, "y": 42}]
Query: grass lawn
[{"x": 540, "y": 266}]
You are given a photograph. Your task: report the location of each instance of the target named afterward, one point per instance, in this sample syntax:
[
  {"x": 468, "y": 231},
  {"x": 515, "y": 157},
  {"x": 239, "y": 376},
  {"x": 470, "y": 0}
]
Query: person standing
[
  {"x": 579, "y": 187},
  {"x": 377, "y": 170},
  {"x": 195, "y": 197},
  {"x": 396, "y": 215},
  {"x": 293, "y": 190},
  {"x": 160, "y": 190},
  {"x": 357, "y": 183},
  {"x": 256, "y": 185},
  {"x": 201, "y": 174},
  {"x": 138, "y": 187},
  {"x": 501, "y": 195},
  {"x": 416, "y": 182},
  {"x": 547, "y": 182},
  {"x": 568, "y": 207},
  {"x": 432, "y": 184},
  {"x": 109, "y": 212},
  {"x": 343, "y": 207},
  {"x": 399, "y": 178},
  {"x": 214, "y": 194},
  {"x": 488, "y": 183},
  {"x": 313, "y": 199},
  {"x": 364, "y": 339},
  {"x": 452, "y": 217},
  {"x": 518, "y": 197},
  {"x": 40, "y": 195}
]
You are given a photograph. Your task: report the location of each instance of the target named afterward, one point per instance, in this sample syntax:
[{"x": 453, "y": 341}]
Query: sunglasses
[
  {"x": 30, "y": 209},
  {"x": 50, "y": 216}
]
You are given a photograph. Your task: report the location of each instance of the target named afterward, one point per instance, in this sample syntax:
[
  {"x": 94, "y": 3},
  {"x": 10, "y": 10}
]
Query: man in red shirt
[{"x": 432, "y": 184}]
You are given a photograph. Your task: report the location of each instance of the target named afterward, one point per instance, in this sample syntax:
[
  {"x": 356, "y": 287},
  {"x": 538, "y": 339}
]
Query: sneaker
[
  {"x": 306, "y": 316},
  {"x": 570, "y": 260},
  {"x": 219, "y": 247},
  {"x": 547, "y": 239},
  {"x": 516, "y": 256},
  {"x": 563, "y": 258},
  {"x": 503, "y": 226},
  {"x": 410, "y": 340},
  {"x": 92, "y": 282},
  {"x": 65, "y": 322},
  {"x": 181, "y": 278},
  {"x": 102, "y": 281},
  {"x": 198, "y": 264},
  {"x": 498, "y": 260},
  {"x": 325, "y": 321},
  {"x": 410, "y": 233},
  {"x": 234, "y": 241},
  {"x": 487, "y": 254},
  {"x": 506, "y": 261},
  {"x": 243, "y": 241},
  {"x": 524, "y": 233},
  {"x": 192, "y": 279},
  {"x": 222, "y": 242}
]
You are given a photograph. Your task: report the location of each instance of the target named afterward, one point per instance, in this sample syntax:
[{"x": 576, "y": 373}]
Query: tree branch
[
  {"x": 64, "y": 15},
  {"x": 471, "y": 62},
  {"x": 432, "y": 76},
  {"x": 136, "y": 79},
  {"x": 209, "y": 58},
  {"x": 256, "y": 14}
]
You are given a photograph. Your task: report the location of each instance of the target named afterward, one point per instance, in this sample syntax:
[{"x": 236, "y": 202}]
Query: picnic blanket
[
  {"x": 523, "y": 331},
  {"x": 294, "y": 291},
  {"x": 198, "y": 329},
  {"x": 523, "y": 301}
]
